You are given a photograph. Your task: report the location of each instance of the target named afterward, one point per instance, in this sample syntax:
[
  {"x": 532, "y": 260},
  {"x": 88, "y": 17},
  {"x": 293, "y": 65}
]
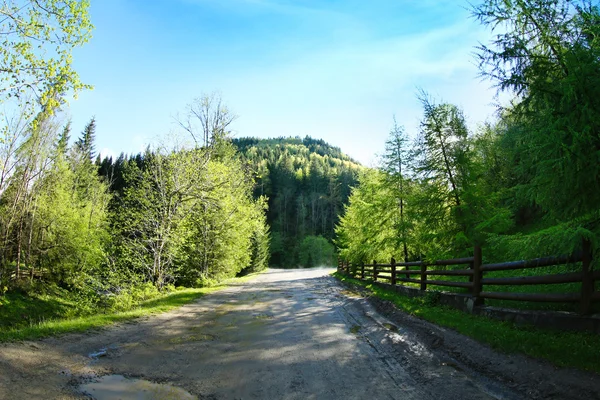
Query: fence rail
[{"x": 401, "y": 272}]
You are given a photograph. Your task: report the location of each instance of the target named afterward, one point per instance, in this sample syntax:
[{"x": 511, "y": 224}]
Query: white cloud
[{"x": 349, "y": 94}]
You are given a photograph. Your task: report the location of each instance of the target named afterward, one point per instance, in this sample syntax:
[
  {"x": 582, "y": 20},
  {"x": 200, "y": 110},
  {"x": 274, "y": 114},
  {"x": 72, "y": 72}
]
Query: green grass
[
  {"x": 564, "y": 349},
  {"x": 17, "y": 309},
  {"x": 49, "y": 308}
]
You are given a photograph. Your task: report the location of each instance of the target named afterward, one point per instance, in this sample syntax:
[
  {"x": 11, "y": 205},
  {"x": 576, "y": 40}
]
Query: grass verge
[
  {"x": 564, "y": 349},
  {"x": 54, "y": 327}
]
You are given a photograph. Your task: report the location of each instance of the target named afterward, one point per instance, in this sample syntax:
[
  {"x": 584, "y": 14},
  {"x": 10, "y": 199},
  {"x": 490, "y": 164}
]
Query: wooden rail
[{"x": 477, "y": 281}]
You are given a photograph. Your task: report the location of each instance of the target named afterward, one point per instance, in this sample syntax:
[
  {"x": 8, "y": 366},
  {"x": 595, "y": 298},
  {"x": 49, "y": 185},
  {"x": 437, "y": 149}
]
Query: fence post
[
  {"x": 374, "y": 270},
  {"x": 477, "y": 276},
  {"x": 587, "y": 283},
  {"x": 423, "y": 276},
  {"x": 362, "y": 269},
  {"x": 393, "y": 271}
]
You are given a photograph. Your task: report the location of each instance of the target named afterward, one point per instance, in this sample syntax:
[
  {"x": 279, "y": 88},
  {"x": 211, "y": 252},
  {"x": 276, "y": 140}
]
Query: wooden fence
[{"x": 419, "y": 272}]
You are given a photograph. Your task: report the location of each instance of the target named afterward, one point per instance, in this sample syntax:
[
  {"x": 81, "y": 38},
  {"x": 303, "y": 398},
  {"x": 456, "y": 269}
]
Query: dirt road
[{"x": 288, "y": 334}]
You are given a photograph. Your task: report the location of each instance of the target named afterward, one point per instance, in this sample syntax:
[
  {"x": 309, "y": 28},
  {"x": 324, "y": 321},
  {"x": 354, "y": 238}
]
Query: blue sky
[{"x": 336, "y": 70}]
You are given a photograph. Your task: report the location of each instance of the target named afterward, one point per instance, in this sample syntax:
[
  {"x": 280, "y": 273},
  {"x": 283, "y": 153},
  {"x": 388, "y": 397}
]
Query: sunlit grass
[
  {"x": 565, "y": 349},
  {"x": 58, "y": 326}
]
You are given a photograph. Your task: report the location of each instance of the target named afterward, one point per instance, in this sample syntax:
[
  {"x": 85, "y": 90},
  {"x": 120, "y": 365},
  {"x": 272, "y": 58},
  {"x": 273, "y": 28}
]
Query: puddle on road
[
  {"x": 355, "y": 329},
  {"x": 119, "y": 387},
  {"x": 390, "y": 327}
]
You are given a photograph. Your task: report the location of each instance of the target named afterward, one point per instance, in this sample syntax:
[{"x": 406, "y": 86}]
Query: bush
[
  {"x": 316, "y": 251},
  {"x": 128, "y": 298}
]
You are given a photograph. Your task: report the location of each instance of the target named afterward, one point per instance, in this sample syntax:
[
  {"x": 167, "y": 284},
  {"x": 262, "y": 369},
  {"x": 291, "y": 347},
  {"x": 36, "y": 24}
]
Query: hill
[{"x": 307, "y": 183}]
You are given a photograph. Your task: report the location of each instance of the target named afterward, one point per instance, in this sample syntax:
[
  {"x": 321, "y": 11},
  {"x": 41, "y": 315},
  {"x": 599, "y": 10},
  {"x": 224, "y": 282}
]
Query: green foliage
[
  {"x": 188, "y": 217},
  {"x": 365, "y": 232},
  {"x": 548, "y": 53},
  {"x": 442, "y": 163},
  {"x": 423, "y": 202},
  {"x": 524, "y": 186},
  {"x": 260, "y": 249},
  {"x": 38, "y": 302},
  {"x": 307, "y": 182},
  {"x": 131, "y": 297},
  {"x": 52, "y": 208},
  {"x": 563, "y": 238},
  {"x": 53, "y": 212},
  {"x": 38, "y": 38},
  {"x": 85, "y": 144},
  {"x": 316, "y": 251}
]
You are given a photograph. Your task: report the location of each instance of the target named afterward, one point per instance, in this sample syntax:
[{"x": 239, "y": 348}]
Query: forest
[
  {"x": 307, "y": 183},
  {"x": 522, "y": 186},
  {"x": 111, "y": 233}
]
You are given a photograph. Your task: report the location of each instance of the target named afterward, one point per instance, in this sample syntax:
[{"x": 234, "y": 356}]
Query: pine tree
[
  {"x": 442, "y": 163},
  {"x": 395, "y": 165},
  {"x": 85, "y": 144},
  {"x": 547, "y": 53},
  {"x": 63, "y": 140}
]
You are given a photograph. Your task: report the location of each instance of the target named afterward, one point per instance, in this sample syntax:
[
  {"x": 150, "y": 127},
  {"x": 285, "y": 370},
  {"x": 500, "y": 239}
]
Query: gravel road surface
[{"x": 287, "y": 334}]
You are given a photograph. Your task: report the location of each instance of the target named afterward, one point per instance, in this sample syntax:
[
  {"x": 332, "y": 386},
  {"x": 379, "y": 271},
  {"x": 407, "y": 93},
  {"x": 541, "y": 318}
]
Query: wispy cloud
[{"x": 337, "y": 69}]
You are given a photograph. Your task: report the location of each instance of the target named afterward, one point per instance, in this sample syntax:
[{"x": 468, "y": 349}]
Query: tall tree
[
  {"x": 442, "y": 163},
  {"x": 395, "y": 165},
  {"x": 85, "y": 144},
  {"x": 71, "y": 225},
  {"x": 547, "y": 52},
  {"x": 366, "y": 231},
  {"x": 207, "y": 117}
]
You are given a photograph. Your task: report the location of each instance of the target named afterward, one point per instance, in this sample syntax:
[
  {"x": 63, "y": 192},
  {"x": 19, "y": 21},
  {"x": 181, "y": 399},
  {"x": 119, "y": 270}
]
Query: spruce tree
[{"x": 85, "y": 144}]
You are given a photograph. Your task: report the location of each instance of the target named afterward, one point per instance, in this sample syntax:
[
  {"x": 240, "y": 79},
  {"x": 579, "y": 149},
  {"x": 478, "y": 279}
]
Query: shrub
[{"x": 316, "y": 251}]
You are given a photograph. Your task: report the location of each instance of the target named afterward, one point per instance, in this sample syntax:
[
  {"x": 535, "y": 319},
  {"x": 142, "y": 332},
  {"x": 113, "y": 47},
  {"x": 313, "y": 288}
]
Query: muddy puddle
[{"x": 119, "y": 387}]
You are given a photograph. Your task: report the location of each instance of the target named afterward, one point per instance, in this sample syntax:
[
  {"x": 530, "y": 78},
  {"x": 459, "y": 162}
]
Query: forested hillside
[
  {"x": 524, "y": 185},
  {"x": 307, "y": 183},
  {"x": 81, "y": 235}
]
